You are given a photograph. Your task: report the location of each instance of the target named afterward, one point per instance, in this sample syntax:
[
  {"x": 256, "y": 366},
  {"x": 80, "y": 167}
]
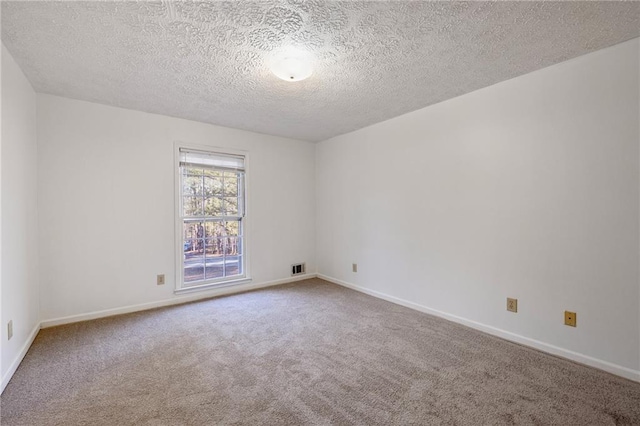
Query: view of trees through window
[{"x": 212, "y": 221}]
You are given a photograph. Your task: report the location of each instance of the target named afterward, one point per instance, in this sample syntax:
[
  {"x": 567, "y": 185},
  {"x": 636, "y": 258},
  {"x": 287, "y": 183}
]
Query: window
[{"x": 211, "y": 218}]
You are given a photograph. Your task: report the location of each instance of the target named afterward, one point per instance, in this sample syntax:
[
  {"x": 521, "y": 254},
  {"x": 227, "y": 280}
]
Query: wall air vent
[{"x": 297, "y": 269}]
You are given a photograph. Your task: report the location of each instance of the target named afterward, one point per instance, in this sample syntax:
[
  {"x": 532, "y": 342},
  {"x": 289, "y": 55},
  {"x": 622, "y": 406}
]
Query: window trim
[{"x": 178, "y": 225}]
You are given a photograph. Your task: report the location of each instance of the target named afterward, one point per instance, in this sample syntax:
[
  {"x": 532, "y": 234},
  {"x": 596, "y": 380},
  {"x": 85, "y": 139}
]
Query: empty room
[{"x": 312, "y": 212}]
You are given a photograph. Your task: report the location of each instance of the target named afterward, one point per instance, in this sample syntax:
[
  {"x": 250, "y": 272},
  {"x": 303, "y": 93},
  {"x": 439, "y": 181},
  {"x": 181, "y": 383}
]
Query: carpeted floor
[{"x": 304, "y": 353}]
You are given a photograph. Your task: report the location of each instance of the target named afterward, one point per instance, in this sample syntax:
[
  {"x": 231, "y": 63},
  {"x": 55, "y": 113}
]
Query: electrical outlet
[
  {"x": 570, "y": 318},
  {"x": 9, "y": 330},
  {"x": 512, "y": 305},
  {"x": 160, "y": 279},
  {"x": 354, "y": 267}
]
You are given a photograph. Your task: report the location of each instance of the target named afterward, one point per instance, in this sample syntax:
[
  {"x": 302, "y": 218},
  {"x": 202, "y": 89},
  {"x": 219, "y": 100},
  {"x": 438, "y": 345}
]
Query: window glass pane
[
  {"x": 197, "y": 249},
  {"x": 213, "y": 207},
  {"x": 193, "y": 273},
  {"x": 216, "y": 246},
  {"x": 189, "y": 246},
  {"x": 212, "y": 228},
  {"x": 192, "y": 170},
  {"x": 193, "y": 230},
  {"x": 192, "y": 206},
  {"x": 210, "y": 247},
  {"x": 214, "y": 258},
  {"x": 232, "y": 265},
  {"x": 215, "y": 268},
  {"x": 213, "y": 186},
  {"x": 232, "y": 228},
  {"x": 213, "y": 173},
  {"x": 194, "y": 261},
  {"x": 228, "y": 247},
  {"x": 191, "y": 184},
  {"x": 231, "y": 186},
  {"x": 234, "y": 245},
  {"x": 231, "y": 206}
]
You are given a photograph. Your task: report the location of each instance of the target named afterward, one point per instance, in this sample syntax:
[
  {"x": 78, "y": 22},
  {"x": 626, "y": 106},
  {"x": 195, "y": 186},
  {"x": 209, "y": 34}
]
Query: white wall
[
  {"x": 106, "y": 194},
  {"x": 526, "y": 189},
  {"x": 19, "y": 260}
]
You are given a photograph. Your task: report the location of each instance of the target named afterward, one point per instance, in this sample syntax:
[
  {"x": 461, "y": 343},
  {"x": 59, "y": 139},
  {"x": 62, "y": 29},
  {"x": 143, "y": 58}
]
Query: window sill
[{"x": 212, "y": 286}]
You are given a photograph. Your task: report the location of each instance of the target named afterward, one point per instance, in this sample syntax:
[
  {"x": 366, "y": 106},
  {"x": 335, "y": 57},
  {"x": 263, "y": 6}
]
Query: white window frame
[{"x": 213, "y": 283}]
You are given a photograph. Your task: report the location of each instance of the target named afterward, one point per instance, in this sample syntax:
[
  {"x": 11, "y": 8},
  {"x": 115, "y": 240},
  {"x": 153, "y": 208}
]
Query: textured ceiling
[{"x": 208, "y": 61}]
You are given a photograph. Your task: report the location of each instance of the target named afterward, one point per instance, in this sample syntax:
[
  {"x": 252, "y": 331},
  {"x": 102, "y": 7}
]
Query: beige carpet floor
[{"x": 304, "y": 353}]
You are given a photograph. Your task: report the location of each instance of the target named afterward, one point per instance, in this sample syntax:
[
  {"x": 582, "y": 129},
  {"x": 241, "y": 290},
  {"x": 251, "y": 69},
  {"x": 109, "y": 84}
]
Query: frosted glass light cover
[{"x": 291, "y": 68}]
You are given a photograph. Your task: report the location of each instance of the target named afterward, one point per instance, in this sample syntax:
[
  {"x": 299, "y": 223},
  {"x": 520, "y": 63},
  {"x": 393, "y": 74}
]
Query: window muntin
[{"x": 212, "y": 201}]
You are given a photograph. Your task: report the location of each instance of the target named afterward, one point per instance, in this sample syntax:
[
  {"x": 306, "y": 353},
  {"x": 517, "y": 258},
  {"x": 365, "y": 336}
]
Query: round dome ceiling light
[{"x": 292, "y": 66}]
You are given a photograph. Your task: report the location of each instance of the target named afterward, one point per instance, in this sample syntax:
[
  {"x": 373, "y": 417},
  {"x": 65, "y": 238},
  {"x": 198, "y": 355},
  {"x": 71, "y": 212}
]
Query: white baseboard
[
  {"x": 205, "y": 294},
  {"x": 16, "y": 362},
  {"x": 618, "y": 370}
]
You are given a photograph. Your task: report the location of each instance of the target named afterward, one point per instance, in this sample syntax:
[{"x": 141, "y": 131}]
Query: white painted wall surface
[
  {"x": 526, "y": 189},
  {"x": 19, "y": 260},
  {"x": 106, "y": 193}
]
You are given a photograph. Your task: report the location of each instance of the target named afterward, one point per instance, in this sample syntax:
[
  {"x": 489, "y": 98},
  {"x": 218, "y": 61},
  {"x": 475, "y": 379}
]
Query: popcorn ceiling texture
[{"x": 208, "y": 61}]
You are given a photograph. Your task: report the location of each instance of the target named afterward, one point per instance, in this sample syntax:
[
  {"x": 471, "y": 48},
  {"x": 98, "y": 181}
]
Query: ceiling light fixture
[{"x": 292, "y": 65}]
